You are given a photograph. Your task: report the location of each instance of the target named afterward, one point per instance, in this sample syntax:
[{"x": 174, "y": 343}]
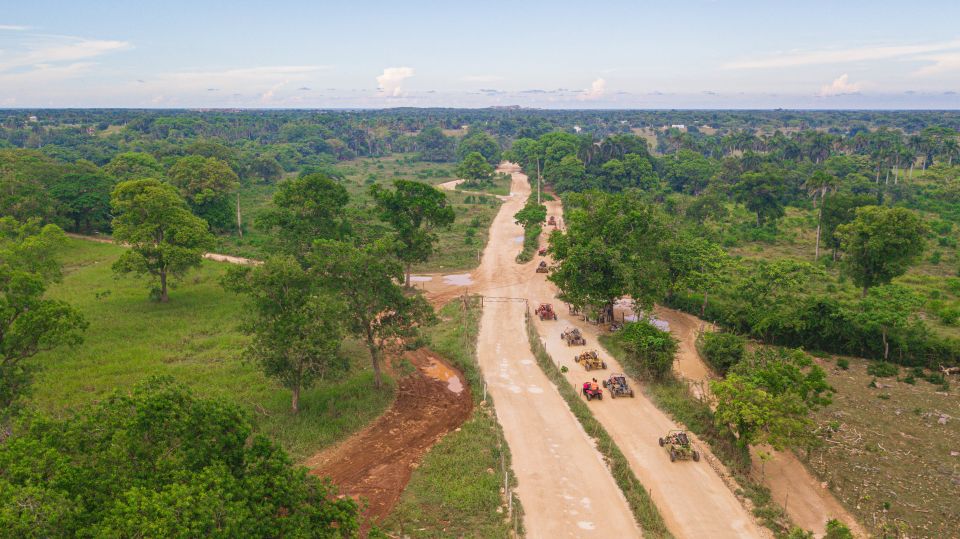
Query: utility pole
[{"x": 538, "y": 181}]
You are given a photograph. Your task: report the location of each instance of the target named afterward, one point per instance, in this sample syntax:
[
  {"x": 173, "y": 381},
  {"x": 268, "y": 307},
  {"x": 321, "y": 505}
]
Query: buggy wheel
[
  {"x": 661, "y": 442},
  {"x": 613, "y": 394},
  {"x": 603, "y": 365},
  {"x": 605, "y": 384},
  {"x": 586, "y": 366},
  {"x": 673, "y": 456},
  {"x": 696, "y": 456},
  {"x": 631, "y": 393}
]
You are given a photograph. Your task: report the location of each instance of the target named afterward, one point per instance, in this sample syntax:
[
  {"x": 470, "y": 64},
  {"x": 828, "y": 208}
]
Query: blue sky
[{"x": 560, "y": 54}]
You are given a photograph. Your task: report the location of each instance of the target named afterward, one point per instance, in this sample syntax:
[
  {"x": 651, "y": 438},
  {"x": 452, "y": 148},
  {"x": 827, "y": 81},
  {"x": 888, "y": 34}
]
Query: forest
[{"x": 821, "y": 232}]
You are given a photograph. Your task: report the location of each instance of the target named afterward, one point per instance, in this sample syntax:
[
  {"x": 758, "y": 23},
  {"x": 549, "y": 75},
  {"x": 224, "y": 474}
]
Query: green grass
[
  {"x": 195, "y": 339},
  {"x": 456, "y": 491},
  {"x": 499, "y": 186},
  {"x": 642, "y": 506}
]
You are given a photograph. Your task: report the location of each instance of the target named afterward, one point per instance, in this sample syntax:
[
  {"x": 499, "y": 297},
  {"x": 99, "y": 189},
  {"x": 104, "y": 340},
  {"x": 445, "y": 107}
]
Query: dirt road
[
  {"x": 564, "y": 486},
  {"x": 693, "y": 498},
  {"x": 808, "y": 503},
  {"x": 376, "y": 463}
]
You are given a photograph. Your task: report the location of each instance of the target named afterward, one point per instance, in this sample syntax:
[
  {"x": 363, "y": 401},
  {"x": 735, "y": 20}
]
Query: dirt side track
[{"x": 376, "y": 463}]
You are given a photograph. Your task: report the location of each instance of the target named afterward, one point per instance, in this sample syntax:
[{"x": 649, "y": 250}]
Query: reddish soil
[{"x": 375, "y": 464}]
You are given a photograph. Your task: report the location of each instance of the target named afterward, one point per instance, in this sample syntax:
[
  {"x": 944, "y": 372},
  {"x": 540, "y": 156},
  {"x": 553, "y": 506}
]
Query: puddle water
[
  {"x": 518, "y": 239},
  {"x": 460, "y": 279},
  {"x": 439, "y": 371},
  {"x": 420, "y": 278}
]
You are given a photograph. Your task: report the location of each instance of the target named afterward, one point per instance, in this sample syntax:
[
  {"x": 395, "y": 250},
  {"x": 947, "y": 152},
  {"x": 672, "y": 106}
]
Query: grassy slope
[
  {"x": 890, "y": 459},
  {"x": 193, "y": 338},
  {"x": 456, "y": 491},
  {"x": 456, "y": 249}
]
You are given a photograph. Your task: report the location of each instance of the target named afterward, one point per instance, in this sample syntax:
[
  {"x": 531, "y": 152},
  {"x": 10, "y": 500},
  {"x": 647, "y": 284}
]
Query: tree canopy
[
  {"x": 880, "y": 244},
  {"x": 165, "y": 239},
  {"x": 158, "y": 461}
]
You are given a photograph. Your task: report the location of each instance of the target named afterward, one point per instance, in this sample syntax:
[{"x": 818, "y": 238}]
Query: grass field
[
  {"x": 195, "y": 339},
  {"x": 889, "y": 458},
  {"x": 457, "y": 489},
  {"x": 457, "y": 247}
]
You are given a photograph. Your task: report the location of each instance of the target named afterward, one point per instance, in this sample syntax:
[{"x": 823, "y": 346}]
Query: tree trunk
[
  {"x": 703, "y": 308},
  {"x": 816, "y": 250},
  {"x": 911, "y": 169},
  {"x": 886, "y": 345},
  {"x": 239, "y": 222},
  {"x": 295, "y": 399},
  {"x": 375, "y": 360},
  {"x": 408, "y": 275},
  {"x": 864, "y": 293},
  {"x": 163, "y": 286}
]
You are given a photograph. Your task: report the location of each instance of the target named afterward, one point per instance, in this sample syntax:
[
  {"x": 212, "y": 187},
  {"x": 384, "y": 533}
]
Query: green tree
[
  {"x": 296, "y": 327},
  {"x": 414, "y": 209},
  {"x": 206, "y": 183},
  {"x": 165, "y": 239},
  {"x": 767, "y": 398},
  {"x": 433, "y": 145},
  {"x": 377, "y": 310},
  {"x": 159, "y": 462},
  {"x": 888, "y": 308},
  {"x": 83, "y": 197},
  {"x": 308, "y": 208},
  {"x": 697, "y": 264},
  {"x": 820, "y": 183},
  {"x": 567, "y": 175},
  {"x": 649, "y": 348},
  {"x": 532, "y": 214},
  {"x": 475, "y": 169},
  {"x": 133, "y": 166},
  {"x": 840, "y": 209},
  {"x": 29, "y": 322},
  {"x": 482, "y": 143},
  {"x": 761, "y": 193},
  {"x": 266, "y": 169},
  {"x": 613, "y": 246},
  {"x": 688, "y": 171},
  {"x": 880, "y": 244}
]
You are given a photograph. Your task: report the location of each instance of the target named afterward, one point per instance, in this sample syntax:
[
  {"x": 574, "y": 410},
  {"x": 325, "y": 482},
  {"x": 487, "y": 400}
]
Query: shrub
[
  {"x": 843, "y": 363},
  {"x": 722, "y": 350},
  {"x": 837, "y": 530},
  {"x": 648, "y": 348},
  {"x": 883, "y": 369}
]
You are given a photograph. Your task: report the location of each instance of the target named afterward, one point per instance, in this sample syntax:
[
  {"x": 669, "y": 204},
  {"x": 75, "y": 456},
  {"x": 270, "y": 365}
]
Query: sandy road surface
[
  {"x": 564, "y": 486},
  {"x": 808, "y": 504},
  {"x": 693, "y": 498}
]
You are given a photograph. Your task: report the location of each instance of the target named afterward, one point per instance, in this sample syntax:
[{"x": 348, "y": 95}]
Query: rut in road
[{"x": 563, "y": 483}]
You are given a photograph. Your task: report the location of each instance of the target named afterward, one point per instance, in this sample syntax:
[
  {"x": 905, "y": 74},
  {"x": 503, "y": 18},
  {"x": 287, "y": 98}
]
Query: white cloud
[
  {"x": 596, "y": 91},
  {"x": 840, "y": 56},
  {"x": 939, "y": 64},
  {"x": 391, "y": 81},
  {"x": 840, "y": 86},
  {"x": 59, "y": 50},
  {"x": 13, "y": 27}
]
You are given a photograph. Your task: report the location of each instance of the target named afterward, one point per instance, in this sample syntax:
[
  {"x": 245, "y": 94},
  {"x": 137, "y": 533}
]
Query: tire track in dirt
[{"x": 376, "y": 463}]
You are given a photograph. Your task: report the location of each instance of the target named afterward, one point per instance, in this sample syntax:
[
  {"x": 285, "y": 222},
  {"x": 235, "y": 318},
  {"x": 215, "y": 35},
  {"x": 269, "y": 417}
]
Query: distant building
[
  {"x": 32, "y": 119},
  {"x": 681, "y": 127}
]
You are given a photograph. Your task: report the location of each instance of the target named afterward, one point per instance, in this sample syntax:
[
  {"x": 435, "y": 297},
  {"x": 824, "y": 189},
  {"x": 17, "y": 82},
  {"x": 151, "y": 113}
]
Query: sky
[{"x": 754, "y": 54}]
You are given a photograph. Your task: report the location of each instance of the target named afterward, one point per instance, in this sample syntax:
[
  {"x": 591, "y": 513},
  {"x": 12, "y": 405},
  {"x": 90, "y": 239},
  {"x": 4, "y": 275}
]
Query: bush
[
  {"x": 722, "y": 350},
  {"x": 882, "y": 369},
  {"x": 843, "y": 363},
  {"x": 648, "y": 348},
  {"x": 837, "y": 530}
]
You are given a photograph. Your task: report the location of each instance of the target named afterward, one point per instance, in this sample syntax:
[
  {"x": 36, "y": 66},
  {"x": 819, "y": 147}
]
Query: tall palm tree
[{"x": 820, "y": 183}]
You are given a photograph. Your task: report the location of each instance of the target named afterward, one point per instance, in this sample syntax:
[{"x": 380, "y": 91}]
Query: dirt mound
[{"x": 376, "y": 463}]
